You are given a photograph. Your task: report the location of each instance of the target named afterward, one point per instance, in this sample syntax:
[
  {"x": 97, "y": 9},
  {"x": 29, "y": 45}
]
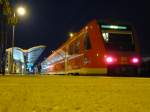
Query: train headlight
[
  {"x": 110, "y": 59},
  {"x": 135, "y": 60}
]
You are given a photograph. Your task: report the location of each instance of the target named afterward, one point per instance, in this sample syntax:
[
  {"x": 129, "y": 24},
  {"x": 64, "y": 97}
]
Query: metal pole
[{"x": 13, "y": 40}]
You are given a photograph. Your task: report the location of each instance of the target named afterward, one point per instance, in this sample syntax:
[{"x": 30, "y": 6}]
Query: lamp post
[{"x": 19, "y": 12}]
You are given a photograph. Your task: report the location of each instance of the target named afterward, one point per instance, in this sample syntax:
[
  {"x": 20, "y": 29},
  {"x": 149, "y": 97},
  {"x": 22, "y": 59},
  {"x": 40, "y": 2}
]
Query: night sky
[{"x": 50, "y": 21}]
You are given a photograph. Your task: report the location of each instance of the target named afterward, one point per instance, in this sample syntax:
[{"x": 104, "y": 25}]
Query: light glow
[
  {"x": 109, "y": 59},
  {"x": 21, "y": 11},
  {"x": 135, "y": 60},
  {"x": 114, "y": 27},
  {"x": 71, "y": 34},
  {"x": 106, "y": 37}
]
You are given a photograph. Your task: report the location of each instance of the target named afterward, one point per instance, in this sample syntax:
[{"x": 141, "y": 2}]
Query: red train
[{"x": 99, "y": 48}]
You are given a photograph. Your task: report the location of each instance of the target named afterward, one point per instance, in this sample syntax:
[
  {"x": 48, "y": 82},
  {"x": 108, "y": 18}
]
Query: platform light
[
  {"x": 21, "y": 11},
  {"x": 18, "y": 11}
]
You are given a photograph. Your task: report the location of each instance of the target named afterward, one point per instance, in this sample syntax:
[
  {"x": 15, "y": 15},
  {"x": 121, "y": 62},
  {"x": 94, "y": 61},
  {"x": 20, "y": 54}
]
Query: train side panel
[{"x": 93, "y": 50}]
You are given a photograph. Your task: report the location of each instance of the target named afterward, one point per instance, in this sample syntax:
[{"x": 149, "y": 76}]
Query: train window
[
  {"x": 116, "y": 41},
  {"x": 87, "y": 44},
  {"x": 106, "y": 37},
  {"x": 77, "y": 47},
  {"x": 62, "y": 54},
  {"x": 71, "y": 49},
  {"x": 74, "y": 47}
]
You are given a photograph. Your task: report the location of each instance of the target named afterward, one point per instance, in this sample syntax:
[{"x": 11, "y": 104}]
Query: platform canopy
[
  {"x": 18, "y": 54},
  {"x": 33, "y": 54},
  {"x": 29, "y": 56}
]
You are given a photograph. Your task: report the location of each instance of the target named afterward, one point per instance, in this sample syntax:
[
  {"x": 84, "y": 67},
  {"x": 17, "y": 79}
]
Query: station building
[{"x": 23, "y": 59}]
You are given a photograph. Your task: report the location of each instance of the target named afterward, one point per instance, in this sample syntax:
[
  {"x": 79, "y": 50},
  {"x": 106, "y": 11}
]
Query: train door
[
  {"x": 74, "y": 57},
  {"x": 66, "y": 59}
]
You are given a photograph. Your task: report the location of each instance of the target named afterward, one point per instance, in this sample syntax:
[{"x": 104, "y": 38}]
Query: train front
[{"x": 122, "y": 51}]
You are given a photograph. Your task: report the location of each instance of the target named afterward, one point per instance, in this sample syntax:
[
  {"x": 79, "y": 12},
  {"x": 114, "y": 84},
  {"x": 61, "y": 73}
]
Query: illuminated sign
[{"x": 114, "y": 27}]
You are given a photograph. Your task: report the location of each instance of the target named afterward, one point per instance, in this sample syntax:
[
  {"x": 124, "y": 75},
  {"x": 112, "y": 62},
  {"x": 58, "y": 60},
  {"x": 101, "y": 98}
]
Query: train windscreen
[
  {"x": 121, "y": 42},
  {"x": 118, "y": 38}
]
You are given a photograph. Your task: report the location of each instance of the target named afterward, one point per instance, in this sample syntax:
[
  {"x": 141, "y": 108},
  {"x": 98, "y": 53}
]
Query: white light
[
  {"x": 109, "y": 59},
  {"x": 114, "y": 27},
  {"x": 71, "y": 34},
  {"x": 6, "y": 68},
  {"x": 135, "y": 60},
  {"x": 22, "y": 66},
  {"x": 21, "y": 11},
  {"x": 106, "y": 36}
]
